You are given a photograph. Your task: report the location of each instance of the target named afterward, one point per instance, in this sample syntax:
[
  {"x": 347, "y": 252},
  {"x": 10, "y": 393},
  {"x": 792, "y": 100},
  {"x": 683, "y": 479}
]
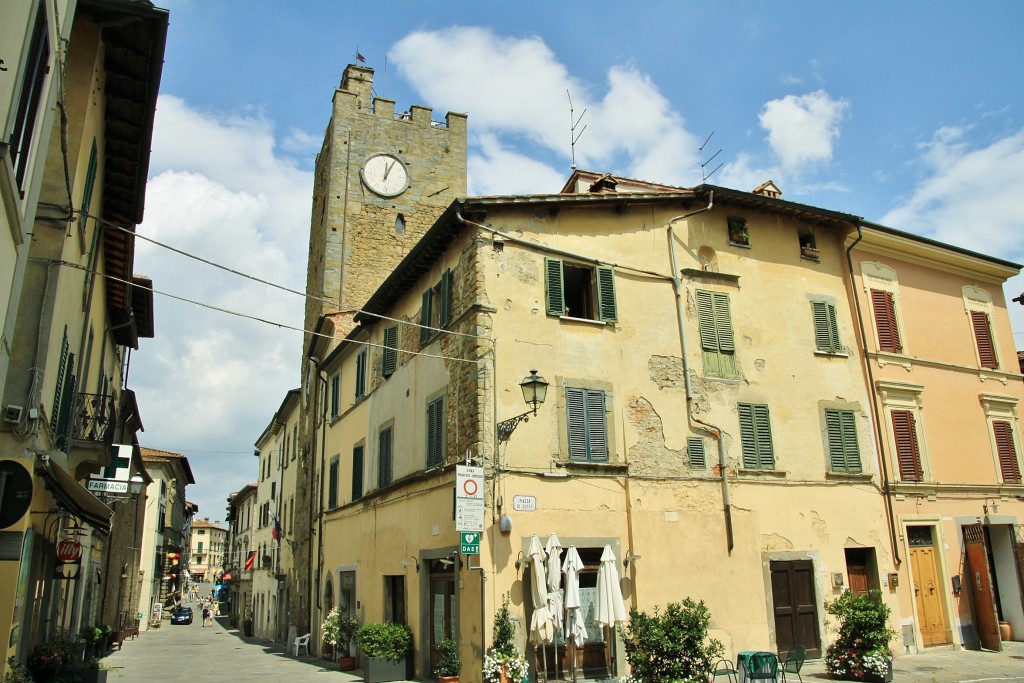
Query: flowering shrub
[
  {"x": 857, "y": 665},
  {"x": 514, "y": 665},
  {"x": 861, "y": 649},
  {"x": 54, "y": 654}
]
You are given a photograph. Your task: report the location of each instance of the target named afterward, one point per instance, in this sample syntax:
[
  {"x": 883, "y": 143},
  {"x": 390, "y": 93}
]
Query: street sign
[
  {"x": 470, "y": 543},
  {"x": 469, "y": 482},
  {"x": 469, "y": 514},
  {"x": 107, "y": 485},
  {"x": 524, "y": 503},
  {"x": 69, "y": 550}
]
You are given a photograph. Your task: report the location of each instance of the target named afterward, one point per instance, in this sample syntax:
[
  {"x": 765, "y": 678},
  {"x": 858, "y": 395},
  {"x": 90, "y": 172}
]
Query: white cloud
[
  {"x": 221, "y": 191},
  {"x": 496, "y": 169},
  {"x": 803, "y": 128},
  {"x": 520, "y": 99}
]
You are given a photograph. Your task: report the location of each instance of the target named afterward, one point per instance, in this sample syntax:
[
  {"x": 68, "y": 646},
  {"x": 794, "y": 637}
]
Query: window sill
[
  {"x": 831, "y": 354},
  {"x": 864, "y": 477},
  {"x": 741, "y": 245},
  {"x": 579, "y": 466},
  {"x": 590, "y": 321},
  {"x": 761, "y": 474}
]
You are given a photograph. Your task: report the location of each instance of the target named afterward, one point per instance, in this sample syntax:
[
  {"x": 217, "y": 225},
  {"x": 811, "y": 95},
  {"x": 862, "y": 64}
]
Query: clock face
[{"x": 385, "y": 175}]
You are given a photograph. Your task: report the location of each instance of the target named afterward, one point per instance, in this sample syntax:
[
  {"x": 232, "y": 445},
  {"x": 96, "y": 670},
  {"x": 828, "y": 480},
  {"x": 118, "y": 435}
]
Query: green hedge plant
[
  {"x": 388, "y": 641},
  {"x": 671, "y": 645}
]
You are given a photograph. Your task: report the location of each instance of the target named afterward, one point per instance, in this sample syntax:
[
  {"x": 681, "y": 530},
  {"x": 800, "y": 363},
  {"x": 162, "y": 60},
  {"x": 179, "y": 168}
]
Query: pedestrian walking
[{"x": 207, "y": 618}]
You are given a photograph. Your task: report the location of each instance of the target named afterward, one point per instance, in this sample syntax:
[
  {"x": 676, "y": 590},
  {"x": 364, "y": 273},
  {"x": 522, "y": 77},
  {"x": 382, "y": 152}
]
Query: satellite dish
[{"x": 15, "y": 492}]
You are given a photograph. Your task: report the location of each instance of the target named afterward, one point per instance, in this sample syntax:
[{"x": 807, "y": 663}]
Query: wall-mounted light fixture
[
  {"x": 520, "y": 562},
  {"x": 535, "y": 390},
  {"x": 451, "y": 559},
  {"x": 630, "y": 557},
  {"x": 411, "y": 561}
]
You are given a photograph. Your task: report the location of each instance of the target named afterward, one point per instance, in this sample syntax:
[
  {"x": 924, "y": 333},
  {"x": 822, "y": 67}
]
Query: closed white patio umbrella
[
  {"x": 554, "y": 581},
  {"x": 608, "y": 607},
  {"x": 541, "y": 628},
  {"x": 575, "y": 628}
]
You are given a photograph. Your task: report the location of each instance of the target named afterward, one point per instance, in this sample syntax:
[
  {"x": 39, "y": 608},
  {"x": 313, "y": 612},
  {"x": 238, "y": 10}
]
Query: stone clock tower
[{"x": 381, "y": 181}]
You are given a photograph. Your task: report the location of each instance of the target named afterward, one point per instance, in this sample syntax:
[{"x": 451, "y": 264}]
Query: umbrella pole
[{"x": 545, "y": 648}]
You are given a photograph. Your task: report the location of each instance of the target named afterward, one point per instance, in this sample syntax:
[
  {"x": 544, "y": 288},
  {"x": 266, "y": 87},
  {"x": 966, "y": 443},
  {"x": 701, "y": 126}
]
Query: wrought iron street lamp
[{"x": 535, "y": 390}]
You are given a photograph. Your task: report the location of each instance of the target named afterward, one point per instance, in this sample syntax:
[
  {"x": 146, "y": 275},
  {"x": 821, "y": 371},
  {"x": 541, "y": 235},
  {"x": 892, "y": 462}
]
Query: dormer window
[{"x": 738, "y": 232}]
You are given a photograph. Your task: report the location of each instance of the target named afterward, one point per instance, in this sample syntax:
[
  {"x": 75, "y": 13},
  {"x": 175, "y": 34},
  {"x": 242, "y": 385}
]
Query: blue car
[{"x": 182, "y": 615}]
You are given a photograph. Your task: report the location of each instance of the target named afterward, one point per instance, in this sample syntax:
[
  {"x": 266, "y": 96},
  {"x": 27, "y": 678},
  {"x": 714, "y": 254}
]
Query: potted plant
[
  {"x": 90, "y": 635},
  {"x": 449, "y": 666},
  {"x": 16, "y": 672},
  {"x": 503, "y": 663},
  {"x": 738, "y": 231},
  {"x": 671, "y": 645},
  {"x": 92, "y": 671},
  {"x": 385, "y": 648},
  {"x": 860, "y": 651},
  {"x": 338, "y": 631},
  {"x": 52, "y": 657},
  {"x": 106, "y": 635}
]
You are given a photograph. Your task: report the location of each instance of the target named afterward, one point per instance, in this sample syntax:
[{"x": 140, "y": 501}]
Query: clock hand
[{"x": 387, "y": 170}]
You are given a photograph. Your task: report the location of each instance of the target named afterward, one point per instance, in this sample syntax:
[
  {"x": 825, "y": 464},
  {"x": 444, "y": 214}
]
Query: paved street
[{"x": 204, "y": 655}]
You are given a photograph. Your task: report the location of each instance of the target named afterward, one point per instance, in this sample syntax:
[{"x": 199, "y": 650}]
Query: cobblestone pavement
[{"x": 219, "y": 653}]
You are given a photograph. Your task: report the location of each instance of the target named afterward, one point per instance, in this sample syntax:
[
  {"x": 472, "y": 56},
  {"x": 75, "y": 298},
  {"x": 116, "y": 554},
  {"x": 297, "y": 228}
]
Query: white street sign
[
  {"x": 107, "y": 485},
  {"x": 469, "y": 514},
  {"x": 469, "y": 483}
]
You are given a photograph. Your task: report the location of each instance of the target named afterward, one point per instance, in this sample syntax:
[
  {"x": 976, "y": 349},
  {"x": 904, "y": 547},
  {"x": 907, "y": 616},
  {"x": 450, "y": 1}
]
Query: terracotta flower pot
[{"x": 347, "y": 663}]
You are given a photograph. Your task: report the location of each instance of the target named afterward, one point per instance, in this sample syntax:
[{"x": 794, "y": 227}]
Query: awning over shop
[{"x": 73, "y": 496}]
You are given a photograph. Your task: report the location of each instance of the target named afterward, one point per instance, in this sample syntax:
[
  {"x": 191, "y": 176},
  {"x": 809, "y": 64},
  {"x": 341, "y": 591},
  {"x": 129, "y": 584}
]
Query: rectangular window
[
  {"x": 357, "y": 473},
  {"x": 908, "y": 451},
  {"x": 435, "y": 312},
  {"x": 695, "y": 453},
  {"x": 199, "y": 547},
  {"x": 295, "y": 441},
  {"x": 389, "y": 357},
  {"x": 843, "y": 451},
  {"x": 425, "y": 321},
  {"x": 586, "y": 425},
  {"x": 335, "y": 395},
  {"x": 361, "y": 374},
  {"x": 1009, "y": 466},
  {"x": 90, "y": 182},
  {"x": 37, "y": 65},
  {"x": 435, "y": 432},
  {"x": 826, "y": 329},
  {"x": 577, "y": 291},
  {"x": 884, "y": 305},
  {"x": 332, "y": 485},
  {"x": 983, "y": 337},
  {"x": 716, "y": 337},
  {"x": 384, "y": 458},
  {"x": 756, "y": 435}
]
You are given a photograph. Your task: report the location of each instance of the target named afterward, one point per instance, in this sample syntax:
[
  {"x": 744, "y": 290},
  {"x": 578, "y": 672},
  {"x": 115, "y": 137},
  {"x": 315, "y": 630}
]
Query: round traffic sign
[{"x": 470, "y": 487}]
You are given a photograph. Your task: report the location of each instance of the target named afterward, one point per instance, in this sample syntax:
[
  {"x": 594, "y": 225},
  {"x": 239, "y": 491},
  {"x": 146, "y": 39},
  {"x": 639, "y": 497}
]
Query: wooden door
[
  {"x": 796, "y": 606},
  {"x": 980, "y": 580},
  {"x": 857, "y": 570},
  {"x": 931, "y": 616}
]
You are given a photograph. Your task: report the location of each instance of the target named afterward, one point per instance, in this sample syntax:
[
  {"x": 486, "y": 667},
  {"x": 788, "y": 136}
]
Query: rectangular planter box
[{"x": 380, "y": 670}]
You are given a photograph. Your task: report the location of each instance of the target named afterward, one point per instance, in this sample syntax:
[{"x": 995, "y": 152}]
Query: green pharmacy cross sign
[{"x": 470, "y": 542}]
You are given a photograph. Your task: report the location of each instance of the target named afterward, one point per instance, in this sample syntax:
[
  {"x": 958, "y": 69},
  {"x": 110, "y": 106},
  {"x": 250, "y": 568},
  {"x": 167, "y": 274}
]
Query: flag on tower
[{"x": 360, "y": 57}]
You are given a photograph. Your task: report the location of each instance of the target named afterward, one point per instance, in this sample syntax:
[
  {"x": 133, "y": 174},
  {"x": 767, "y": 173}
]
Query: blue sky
[{"x": 910, "y": 114}]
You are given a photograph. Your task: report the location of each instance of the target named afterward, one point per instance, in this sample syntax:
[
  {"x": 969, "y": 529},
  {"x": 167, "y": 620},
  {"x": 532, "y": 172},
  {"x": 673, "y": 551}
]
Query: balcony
[{"x": 95, "y": 418}]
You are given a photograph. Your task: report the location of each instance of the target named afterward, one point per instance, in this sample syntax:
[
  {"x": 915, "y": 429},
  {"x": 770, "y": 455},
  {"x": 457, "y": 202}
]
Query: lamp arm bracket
[{"x": 506, "y": 427}]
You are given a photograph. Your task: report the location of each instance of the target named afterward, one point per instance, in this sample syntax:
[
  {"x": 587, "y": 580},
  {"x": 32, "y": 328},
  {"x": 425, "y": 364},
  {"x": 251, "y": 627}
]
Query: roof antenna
[
  {"x": 573, "y": 136},
  {"x": 704, "y": 164}
]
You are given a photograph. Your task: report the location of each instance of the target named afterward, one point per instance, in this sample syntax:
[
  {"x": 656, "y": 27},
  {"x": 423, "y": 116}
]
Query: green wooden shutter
[
  {"x": 553, "y": 287},
  {"x": 695, "y": 453},
  {"x": 765, "y": 451},
  {"x": 706, "y": 319},
  {"x": 826, "y": 329},
  {"x": 606, "y": 294},
  {"x": 335, "y": 395},
  {"x": 384, "y": 459},
  {"x": 90, "y": 182},
  {"x": 435, "y": 433},
  {"x": 723, "y": 322},
  {"x": 908, "y": 453},
  {"x": 1009, "y": 467},
  {"x": 756, "y": 436},
  {"x": 357, "y": 473},
  {"x": 69, "y": 391},
  {"x": 361, "y": 374},
  {"x": 576, "y": 422},
  {"x": 58, "y": 390},
  {"x": 983, "y": 336},
  {"x": 844, "y": 454},
  {"x": 425, "y": 330},
  {"x": 332, "y": 486},
  {"x": 389, "y": 359},
  {"x": 446, "y": 299},
  {"x": 597, "y": 429}
]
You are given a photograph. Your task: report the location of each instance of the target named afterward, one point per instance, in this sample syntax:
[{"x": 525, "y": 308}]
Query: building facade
[
  {"x": 77, "y": 103},
  {"x": 241, "y": 555},
  {"x": 208, "y": 542}
]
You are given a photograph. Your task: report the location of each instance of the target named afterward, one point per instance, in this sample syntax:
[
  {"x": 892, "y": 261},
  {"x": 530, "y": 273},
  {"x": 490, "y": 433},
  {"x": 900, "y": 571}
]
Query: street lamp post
[{"x": 535, "y": 390}]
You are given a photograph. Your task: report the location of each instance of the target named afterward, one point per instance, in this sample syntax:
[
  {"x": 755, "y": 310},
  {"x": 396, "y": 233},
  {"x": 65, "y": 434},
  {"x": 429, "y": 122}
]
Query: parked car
[{"x": 182, "y": 615}]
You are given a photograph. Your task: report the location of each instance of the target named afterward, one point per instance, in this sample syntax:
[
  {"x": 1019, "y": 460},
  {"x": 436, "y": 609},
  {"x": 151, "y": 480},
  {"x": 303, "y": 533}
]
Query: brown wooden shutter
[
  {"x": 885, "y": 320},
  {"x": 1008, "y": 465},
  {"x": 907, "y": 452},
  {"x": 983, "y": 336}
]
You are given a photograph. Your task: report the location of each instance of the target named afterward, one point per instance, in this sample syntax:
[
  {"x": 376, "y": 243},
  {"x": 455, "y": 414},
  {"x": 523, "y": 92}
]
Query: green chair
[
  {"x": 794, "y": 660},
  {"x": 762, "y": 666},
  {"x": 723, "y": 667}
]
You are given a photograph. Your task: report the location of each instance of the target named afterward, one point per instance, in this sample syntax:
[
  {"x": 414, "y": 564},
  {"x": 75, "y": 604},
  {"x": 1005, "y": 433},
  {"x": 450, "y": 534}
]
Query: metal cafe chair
[
  {"x": 762, "y": 666},
  {"x": 723, "y": 667},
  {"x": 794, "y": 660}
]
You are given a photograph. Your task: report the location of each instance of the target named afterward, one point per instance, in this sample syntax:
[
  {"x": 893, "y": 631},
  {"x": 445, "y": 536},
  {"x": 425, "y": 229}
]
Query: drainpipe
[
  {"x": 879, "y": 436},
  {"x": 714, "y": 431}
]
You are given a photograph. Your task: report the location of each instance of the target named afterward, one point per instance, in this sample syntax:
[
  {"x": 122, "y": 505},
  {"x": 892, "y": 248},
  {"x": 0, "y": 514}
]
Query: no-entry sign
[{"x": 469, "y": 482}]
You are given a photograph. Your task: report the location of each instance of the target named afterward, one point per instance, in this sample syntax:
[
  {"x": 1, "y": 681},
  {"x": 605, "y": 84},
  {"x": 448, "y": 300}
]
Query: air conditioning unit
[{"x": 13, "y": 414}]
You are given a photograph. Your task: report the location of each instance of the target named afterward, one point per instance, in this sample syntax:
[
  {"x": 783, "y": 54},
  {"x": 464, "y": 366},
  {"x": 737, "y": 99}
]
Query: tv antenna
[
  {"x": 573, "y": 135},
  {"x": 704, "y": 164}
]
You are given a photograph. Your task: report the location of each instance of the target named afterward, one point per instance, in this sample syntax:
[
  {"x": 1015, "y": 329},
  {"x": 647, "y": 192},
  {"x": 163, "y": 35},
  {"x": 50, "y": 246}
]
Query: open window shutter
[
  {"x": 332, "y": 486},
  {"x": 606, "y": 294},
  {"x": 844, "y": 454},
  {"x": 384, "y": 459},
  {"x": 361, "y": 374},
  {"x": 723, "y": 323},
  {"x": 1008, "y": 465},
  {"x": 763, "y": 430},
  {"x": 747, "y": 436},
  {"x": 435, "y": 440},
  {"x": 446, "y": 299},
  {"x": 389, "y": 360},
  {"x": 553, "y": 286},
  {"x": 69, "y": 390},
  {"x": 884, "y": 306},
  {"x": 826, "y": 330},
  {"x": 357, "y": 473},
  {"x": 425, "y": 330},
  {"x": 576, "y": 422},
  {"x": 706, "y": 318},
  {"x": 983, "y": 336},
  {"x": 597, "y": 434},
  {"x": 904, "y": 428},
  {"x": 58, "y": 391}
]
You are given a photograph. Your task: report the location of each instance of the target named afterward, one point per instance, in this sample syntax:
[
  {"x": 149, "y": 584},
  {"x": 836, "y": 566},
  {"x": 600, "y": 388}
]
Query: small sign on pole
[{"x": 470, "y": 543}]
